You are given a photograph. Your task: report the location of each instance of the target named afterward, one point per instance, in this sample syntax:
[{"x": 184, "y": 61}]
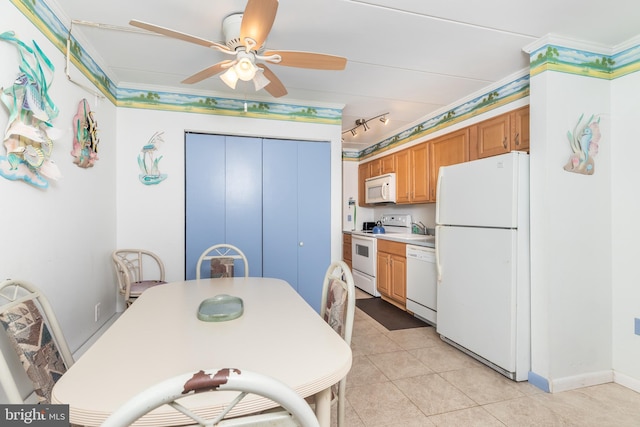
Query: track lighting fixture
[{"x": 364, "y": 123}]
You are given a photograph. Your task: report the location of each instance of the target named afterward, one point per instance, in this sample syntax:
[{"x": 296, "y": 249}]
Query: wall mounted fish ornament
[
  {"x": 85, "y": 136},
  {"x": 584, "y": 143},
  {"x": 30, "y": 133}
]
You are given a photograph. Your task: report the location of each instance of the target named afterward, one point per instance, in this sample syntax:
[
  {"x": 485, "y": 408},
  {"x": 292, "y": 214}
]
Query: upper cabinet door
[
  {"x": 494, "y": 136},
  {"x": 447, "y": 150},
  {"x": 520, "y": 129}
]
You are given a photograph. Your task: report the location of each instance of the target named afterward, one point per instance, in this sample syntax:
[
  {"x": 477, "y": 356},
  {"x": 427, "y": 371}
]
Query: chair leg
[{"x": 342, "y": 402}]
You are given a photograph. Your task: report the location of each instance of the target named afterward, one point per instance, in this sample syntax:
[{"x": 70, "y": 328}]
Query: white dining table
[{"x": 160, "y": 336}]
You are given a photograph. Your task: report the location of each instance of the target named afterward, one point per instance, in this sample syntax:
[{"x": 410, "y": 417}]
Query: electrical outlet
[
  {"x": 637, "y": 326},
  {"x": 97, "y": 312}
]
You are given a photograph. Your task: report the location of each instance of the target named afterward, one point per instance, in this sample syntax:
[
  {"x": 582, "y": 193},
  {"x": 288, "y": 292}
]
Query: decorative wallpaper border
[
  {"x": 575, "y": 61},
  {"x": 548, "y": 57},
  {"x": 509, "y": 92},
  {"x": 43, "y": 18}
]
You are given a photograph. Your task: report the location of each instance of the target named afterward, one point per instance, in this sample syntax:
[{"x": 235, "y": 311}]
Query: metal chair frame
[
  {"x": 339, "y": 271},
  {"x": 222, "y": 250},
  {"x": 22, "y": 292},
  {"x": 296, "y": 410},
  {"x": 129, "y": 266}
]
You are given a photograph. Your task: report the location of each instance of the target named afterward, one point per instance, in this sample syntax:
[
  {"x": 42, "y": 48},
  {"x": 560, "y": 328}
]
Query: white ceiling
[{"x": 405, "y": 57}]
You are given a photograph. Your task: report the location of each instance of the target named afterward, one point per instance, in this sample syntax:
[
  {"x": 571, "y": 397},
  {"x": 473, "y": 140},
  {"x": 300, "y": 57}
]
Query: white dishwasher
[{"x": 422, "y": 282}]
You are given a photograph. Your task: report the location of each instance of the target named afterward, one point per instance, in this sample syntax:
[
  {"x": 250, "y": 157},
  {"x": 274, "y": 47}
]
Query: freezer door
[
  {"x": 484, "y": 192},
  {"x": 477, "y": 292}
]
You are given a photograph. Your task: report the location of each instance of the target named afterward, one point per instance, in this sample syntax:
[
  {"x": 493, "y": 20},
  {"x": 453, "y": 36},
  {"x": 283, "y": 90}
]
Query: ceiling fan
[{"x": 245, "y": 34}]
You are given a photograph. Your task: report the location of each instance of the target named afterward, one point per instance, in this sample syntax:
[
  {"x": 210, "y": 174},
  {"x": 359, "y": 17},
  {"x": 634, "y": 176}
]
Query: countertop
[{"x": 414, "y": 239}]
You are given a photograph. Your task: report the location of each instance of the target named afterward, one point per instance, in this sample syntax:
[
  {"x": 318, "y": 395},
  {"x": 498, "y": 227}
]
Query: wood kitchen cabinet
[
  {"x": 363, "y": 174},
  {"x": 520, "y": 129},
  {"x": 388, "y": 164},
  {"x": 447, "y": 150},
  {"x": 412, "y": 180},
  {"x": 373, "y": 168},
  {"x": 346, "y": 249},
  {"x": 502, "y": 134},
  {"x": 391, "y": 274}
]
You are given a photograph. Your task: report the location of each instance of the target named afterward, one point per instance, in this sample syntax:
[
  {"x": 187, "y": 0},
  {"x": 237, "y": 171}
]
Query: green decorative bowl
[{"x": 220, "y": 308}]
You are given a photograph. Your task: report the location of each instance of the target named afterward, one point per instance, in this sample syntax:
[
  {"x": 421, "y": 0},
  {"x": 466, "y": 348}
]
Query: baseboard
[
  {"x": 539, "y": 381},
  {"x": 579, "y": 381},
  {"x": 626, "y": 381},
  {"x": 84, "y": 347}
]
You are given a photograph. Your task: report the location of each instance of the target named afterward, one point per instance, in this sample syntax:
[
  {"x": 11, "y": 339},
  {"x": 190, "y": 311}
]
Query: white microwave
[{"x": 380, "y": 189}]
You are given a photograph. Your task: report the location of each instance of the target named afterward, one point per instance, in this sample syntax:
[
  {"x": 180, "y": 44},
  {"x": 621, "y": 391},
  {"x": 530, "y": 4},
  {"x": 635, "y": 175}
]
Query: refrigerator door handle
[
  {"x": 438, "y": 266},
  {"x": 438, "y": 195}
]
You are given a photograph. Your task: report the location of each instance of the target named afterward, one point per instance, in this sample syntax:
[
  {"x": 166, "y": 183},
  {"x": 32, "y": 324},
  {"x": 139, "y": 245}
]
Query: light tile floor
[{"x": 412, "y": 378}]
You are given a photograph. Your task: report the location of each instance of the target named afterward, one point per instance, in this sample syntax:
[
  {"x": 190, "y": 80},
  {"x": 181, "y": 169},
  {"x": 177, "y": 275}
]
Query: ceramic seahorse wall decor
[{"x": 584, "y": 142}]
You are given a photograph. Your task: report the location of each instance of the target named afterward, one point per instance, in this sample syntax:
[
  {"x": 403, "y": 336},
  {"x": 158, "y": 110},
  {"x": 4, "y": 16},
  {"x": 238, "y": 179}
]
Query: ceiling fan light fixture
[
  {"x": 259, "y": 80},
  {"x": 245, "y": 69},
  {"x": 230, "y": 77}
]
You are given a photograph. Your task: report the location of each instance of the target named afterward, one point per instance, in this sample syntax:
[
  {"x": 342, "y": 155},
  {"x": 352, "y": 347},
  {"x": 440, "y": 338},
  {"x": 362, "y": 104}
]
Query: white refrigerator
[{"x": 482, "y": 257}]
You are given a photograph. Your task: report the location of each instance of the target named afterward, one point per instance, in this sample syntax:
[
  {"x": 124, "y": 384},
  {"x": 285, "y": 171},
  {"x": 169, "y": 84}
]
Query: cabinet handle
[
  {"x": 504, "y": 142},
  {"x": 518, "y": 138}
]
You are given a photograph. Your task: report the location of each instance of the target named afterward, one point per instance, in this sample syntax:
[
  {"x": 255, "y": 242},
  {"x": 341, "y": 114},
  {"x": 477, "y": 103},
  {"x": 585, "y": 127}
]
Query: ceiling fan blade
[
  {"x": 257, "y": 21},
  {"x": 318, "y": 61},
  {"x": 207, "y": 72},
  {"x": 176, "y": 34},
  {"x": 275, "y": 87}
]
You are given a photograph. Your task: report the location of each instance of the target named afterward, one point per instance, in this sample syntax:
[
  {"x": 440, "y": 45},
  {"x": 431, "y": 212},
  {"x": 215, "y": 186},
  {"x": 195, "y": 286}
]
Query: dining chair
[
  {"x": 338, "y": 308},
  {"x": 35, "y": 335},
  {"x": 222, "y": 258},
  {"x": 137, "y": 270},
  {"x": 293, "y": 409}
]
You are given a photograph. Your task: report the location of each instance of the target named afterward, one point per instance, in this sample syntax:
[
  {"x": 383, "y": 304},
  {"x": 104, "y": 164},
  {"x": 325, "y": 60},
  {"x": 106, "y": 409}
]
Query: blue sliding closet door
[
  {"x": 280, "y": 210},
  {"x": 296, "y": 214},
  {"x": 314, "y": 218},
  {"x": 223, "y": 197},
  {"x": 204, "y": 173}
]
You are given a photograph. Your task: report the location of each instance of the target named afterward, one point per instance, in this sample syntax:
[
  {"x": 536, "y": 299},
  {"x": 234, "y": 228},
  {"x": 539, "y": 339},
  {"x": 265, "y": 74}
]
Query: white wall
[
  {"x": 153, "y": 216},
  {"x": 571, "y": 242},
  {"x": 625, "y": 230},
  {"x": 60, "y": 239},
  {"x": 351, "y": 215}
]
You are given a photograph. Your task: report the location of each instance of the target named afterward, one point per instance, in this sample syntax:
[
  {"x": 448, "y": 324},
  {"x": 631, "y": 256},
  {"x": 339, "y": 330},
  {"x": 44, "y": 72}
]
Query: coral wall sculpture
[
  {"x": 85, "y": 136},
  {"x": 29, "y": 134},
  {"x": 148, "y": 163},
  {"x": 584, "y": 143}
]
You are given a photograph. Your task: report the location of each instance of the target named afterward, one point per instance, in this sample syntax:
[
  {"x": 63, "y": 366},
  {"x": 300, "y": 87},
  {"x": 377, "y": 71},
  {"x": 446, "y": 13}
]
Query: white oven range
[
  {"x": 364, "y": 248},
  {"x": 363, "y": 262}
]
